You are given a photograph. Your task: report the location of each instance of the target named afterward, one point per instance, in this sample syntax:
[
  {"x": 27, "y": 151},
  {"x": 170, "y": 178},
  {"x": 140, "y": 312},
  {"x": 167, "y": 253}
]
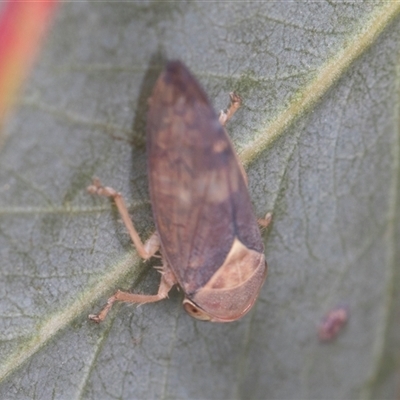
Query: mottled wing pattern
[{"x": 199, "y": 197}]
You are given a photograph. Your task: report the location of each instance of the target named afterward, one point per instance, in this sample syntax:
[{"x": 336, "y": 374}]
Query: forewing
[{"x": 199, "y": 196}]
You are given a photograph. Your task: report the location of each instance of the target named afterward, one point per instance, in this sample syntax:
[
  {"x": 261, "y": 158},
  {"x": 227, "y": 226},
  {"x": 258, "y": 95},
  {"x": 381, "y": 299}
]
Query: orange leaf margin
[{"x": 23, "y": 25}]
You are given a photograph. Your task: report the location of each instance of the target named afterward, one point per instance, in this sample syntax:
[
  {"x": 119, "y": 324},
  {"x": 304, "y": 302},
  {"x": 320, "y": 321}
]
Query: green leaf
[{"x": 319, "y": 135}]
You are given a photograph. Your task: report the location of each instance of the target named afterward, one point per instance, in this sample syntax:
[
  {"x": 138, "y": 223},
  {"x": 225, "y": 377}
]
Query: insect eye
[{"x": 195, "y": 311}]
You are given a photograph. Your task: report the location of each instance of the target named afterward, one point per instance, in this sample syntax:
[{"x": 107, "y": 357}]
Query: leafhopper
[{"x": 206, "y": 231}]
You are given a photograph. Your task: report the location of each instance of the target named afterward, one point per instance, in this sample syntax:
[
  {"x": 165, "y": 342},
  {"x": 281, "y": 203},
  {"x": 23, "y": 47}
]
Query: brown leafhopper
[{"x": 206, "y": 230}]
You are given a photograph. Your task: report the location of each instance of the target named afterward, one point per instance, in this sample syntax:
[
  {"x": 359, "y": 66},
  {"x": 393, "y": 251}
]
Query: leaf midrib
[{"x": 329, "y": 74}]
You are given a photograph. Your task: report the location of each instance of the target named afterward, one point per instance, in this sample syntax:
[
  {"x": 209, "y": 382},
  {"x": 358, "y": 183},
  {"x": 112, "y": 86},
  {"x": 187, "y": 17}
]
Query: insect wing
[{"x": 199, "y": 196}]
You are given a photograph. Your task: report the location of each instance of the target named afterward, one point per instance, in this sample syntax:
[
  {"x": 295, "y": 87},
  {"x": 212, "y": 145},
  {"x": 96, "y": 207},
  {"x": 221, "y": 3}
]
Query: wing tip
[{"x": 182, "y": 81}]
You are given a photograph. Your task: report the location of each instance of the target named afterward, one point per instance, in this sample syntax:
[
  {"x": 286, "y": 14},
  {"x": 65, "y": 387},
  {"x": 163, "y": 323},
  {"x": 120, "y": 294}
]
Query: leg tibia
[
  {"x": 167, "y": 281},
  {"x": 149, "y": 248}
]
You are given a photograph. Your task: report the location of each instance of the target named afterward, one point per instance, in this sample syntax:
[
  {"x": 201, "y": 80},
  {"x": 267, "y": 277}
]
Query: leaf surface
[{"x": 319, "y": 136}]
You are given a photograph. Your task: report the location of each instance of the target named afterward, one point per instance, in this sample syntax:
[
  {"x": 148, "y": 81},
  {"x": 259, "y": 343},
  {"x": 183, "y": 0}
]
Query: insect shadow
[{"x": 156, "y": 65}]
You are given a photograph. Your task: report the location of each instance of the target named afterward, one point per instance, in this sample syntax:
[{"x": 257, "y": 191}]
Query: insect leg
[
  {"x": 264, "y": 222},
  {"x": 234, "y": 105},
  {"x": 167, "y": 281},
  {"x": 146, "y": 250},
  {"x": 225, "y": 116}
]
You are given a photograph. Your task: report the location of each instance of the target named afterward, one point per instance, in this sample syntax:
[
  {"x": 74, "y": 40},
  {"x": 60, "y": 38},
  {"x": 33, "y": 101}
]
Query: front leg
[{"x": 167, "y": 281}]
